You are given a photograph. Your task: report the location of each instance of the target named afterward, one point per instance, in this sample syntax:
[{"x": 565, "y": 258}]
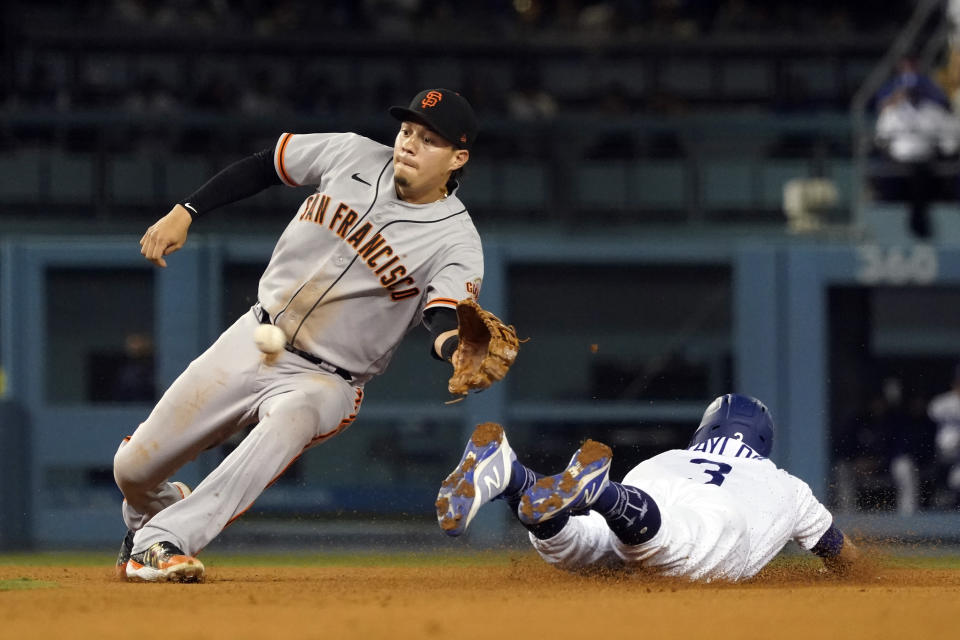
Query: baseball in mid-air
[{"x": 269, "y": 338}]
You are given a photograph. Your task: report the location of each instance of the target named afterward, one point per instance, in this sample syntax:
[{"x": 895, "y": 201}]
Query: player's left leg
[
  {"x": 631, "y": 514},
  {"x": 575, "y": 488},
  {"x": 160, "y": 498},
  {"x": 298, "y": 411},
  {"x": 208, "y": 402}
]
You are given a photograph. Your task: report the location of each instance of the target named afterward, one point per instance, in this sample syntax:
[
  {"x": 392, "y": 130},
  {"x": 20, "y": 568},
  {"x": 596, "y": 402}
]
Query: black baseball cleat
[
  {"x": 126, "y": 548},
  {"x": 164, "y": 562}
]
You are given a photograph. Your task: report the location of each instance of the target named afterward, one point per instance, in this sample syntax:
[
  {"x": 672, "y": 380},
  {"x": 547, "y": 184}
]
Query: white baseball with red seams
[{"x": 351, "y": 274}]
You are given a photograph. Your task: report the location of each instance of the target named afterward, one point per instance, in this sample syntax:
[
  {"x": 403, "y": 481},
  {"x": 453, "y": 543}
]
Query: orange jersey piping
[
  {"x": 281, "y": 168},
  {"x": 441, "y": 302}
]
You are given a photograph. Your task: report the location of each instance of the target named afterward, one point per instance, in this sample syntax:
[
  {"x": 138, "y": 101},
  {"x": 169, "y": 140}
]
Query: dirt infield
[{"x": 512, "y": 596}]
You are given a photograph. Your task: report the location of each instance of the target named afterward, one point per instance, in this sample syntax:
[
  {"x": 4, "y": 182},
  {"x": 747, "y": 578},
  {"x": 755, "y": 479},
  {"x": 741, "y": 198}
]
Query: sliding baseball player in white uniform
[
  {"x": 718, "y": 510},
  {"x": 382, "y": 245}
]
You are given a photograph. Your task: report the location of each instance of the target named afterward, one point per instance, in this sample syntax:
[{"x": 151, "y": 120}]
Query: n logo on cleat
[
  {"x": 590, "y": 495},
  {"x": 493, "y": 482}
]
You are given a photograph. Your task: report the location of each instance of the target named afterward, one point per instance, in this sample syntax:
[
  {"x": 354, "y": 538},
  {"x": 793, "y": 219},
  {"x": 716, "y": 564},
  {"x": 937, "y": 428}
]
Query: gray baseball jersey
[
  {"x": 725, "y": 513},
  {"x": 351, "y": 274},
  {"x": 356, "y": 267}
]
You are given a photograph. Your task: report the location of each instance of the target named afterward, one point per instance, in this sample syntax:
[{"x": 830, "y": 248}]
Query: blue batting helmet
[{"x": 737, "y": 416}]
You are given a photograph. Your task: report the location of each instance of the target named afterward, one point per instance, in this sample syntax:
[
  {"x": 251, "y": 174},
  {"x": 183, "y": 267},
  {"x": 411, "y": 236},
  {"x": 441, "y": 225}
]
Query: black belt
[{"x": 326, "y": 366}]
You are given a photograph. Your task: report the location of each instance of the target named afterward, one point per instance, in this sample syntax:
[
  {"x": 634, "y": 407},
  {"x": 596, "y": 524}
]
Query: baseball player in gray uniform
[
  {"x": 382, "y": 245},
  {"x": 717, "y": 510}
]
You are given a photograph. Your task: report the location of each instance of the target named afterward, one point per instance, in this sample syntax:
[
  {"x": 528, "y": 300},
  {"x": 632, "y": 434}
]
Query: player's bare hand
[
  {"x": 847, "y": 561},
  {"x": 166, "y": 235}
]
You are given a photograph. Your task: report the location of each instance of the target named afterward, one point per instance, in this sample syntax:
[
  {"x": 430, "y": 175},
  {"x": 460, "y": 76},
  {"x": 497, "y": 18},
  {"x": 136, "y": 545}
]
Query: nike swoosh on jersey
[{"x": 357, "y": 177}]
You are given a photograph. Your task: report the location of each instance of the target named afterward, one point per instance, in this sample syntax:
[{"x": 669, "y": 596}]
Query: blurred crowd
[
  {"x": 151, "y": 63},
  {"x": 489, "y": 19},
  {"x": 269, "y": 87}
]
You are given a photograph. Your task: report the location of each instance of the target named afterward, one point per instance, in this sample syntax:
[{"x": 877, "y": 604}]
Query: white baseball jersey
[
  {"x": 725, "y": 513},
  {"x": 356, "y": 267}
]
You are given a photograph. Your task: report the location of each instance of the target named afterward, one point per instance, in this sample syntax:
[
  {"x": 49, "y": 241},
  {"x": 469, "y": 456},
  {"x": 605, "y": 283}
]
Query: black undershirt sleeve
[
  {"x": 438, "y": 321},
  {"x": 239, "y": 180}
]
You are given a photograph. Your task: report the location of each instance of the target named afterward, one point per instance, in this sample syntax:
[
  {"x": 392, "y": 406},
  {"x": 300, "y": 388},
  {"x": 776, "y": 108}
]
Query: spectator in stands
[
  {"x": 154, "y": 101},
  {"x": 313, "y": 93},
  {"x": 944, "y": 410},
  {"x": 909, "y": 76},
  {"x": 262, "y": 95},
  {"x": 612, "y": 105},
  {"x": 528, "y": 99},
  {"x": 883, "y": 454},
  {"x": 216, "y": 94},
  {"x": 859, "y": 447},
  {"x": 152, "y": 96},
  {"x": 914, "y": 130},
  {"x": 41, "y": 90},
  {"x": 740, "y": 16},
  {"x": 909, "y": 445}
]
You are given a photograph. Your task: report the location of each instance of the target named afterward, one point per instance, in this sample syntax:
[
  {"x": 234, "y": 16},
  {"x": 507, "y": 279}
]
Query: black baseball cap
[{"x": 445, "y": 111}]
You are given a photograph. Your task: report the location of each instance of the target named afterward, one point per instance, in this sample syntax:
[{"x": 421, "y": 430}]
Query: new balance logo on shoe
[
  {"x": 590, "y": 494},
  {"x": 493, "y": 482}
]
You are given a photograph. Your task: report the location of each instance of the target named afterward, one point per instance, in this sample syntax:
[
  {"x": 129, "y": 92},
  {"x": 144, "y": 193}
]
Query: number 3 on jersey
[{"x": 718, "y": 475}]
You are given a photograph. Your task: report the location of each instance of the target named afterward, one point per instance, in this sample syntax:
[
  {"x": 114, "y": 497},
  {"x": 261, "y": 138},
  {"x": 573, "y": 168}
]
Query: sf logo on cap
[{"x": 431, "y": 99}]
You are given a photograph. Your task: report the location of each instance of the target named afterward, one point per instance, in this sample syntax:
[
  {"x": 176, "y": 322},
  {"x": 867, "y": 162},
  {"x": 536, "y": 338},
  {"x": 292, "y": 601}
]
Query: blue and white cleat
[
  {"x": 481, "y": 475},
  {"x": 574, "y": 489}
]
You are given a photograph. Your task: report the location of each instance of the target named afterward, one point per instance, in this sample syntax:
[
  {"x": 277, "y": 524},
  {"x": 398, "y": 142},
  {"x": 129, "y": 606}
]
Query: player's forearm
[
  {"x": 445, "y": 344},
  {"x": 239, "y": 180},
  {"x": 836, "y": 550},
  {"x": 845, "y": 560},
  {"x": 442, "y": 325}
]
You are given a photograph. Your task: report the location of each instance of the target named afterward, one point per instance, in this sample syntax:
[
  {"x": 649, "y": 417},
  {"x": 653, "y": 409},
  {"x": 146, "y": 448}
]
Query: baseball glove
[{"x": 486, "y": 351}]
